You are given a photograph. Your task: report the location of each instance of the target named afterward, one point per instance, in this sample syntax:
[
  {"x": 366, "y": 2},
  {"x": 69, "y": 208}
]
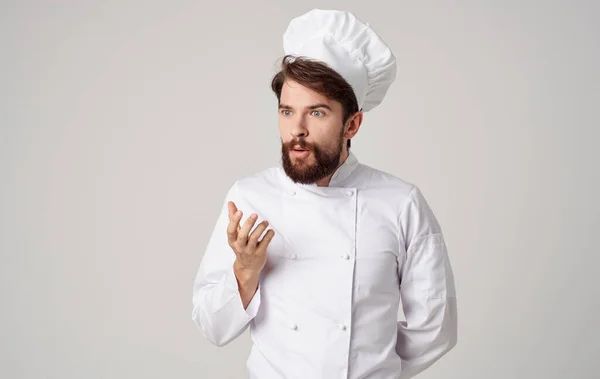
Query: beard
[{"x": 301, "y": 170}]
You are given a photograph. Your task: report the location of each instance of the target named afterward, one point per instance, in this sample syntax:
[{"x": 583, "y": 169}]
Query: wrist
[{"x": 246, "y": 278}]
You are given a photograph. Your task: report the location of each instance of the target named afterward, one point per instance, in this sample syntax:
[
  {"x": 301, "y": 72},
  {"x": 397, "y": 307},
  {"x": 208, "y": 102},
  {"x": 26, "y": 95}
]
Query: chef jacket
[{"x": 342, "y": 259}]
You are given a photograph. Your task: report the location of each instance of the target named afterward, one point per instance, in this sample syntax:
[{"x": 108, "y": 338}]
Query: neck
[{"x": 325, "y": 181}]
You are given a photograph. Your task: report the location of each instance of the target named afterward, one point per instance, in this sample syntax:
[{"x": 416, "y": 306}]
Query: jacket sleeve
[
  {"x": 427, "y": 290},
  {"x": 217, "y": 305}
]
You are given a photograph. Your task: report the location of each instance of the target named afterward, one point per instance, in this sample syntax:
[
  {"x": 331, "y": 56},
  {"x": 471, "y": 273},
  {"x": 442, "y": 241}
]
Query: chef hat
[{"x": 348, "y": 46}]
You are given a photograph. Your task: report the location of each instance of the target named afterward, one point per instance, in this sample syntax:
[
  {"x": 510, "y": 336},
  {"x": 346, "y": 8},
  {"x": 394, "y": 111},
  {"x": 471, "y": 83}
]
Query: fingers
[
  {"x": 262, "y": 245},
  {"x": 241, "y": 236},
  {"x": 257, "y": 232},
  {"x": 245, "y": 230},
  {"x": 232, "y": 209},
  {"x": 233, "y": 226}
]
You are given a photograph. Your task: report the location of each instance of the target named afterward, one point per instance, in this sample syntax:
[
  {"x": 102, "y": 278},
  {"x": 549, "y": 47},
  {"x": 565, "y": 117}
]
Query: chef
[{"x": 315, "y": 256}]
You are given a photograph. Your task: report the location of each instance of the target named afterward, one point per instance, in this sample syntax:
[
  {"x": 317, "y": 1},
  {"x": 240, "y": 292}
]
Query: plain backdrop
[{"x": 123, "y": 123}]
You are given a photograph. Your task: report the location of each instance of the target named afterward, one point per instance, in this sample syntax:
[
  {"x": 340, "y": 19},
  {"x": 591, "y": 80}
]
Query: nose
[{"x": 299, "y": 128}]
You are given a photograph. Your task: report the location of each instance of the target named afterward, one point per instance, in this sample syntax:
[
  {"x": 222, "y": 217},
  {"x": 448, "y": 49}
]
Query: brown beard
[{"x": 327, "y": 161}]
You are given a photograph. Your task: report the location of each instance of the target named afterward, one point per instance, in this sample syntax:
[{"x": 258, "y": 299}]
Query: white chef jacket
[{"x": 342, "y": 259}]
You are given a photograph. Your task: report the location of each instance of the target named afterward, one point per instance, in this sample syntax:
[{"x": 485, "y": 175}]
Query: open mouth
[
  {"x": 299, "y": 148},
  {"x": 299, "y": 151}
]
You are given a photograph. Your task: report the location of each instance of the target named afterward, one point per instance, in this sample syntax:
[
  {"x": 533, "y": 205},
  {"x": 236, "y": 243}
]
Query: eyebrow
[{"x": 320, "y": 105}]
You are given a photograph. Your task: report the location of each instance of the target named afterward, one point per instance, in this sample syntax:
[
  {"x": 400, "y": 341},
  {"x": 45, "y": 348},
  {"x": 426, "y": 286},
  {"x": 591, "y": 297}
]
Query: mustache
[{"x": 299, "y": 142}]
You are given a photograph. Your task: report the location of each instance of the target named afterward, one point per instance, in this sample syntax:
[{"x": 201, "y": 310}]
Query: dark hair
[{"x": 320, "y": 78}]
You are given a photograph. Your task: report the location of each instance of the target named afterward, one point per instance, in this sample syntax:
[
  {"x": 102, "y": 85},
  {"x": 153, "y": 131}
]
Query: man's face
[{"x": 312, "y": 133}]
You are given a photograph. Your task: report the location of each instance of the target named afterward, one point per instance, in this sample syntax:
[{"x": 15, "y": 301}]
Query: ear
[{"x": 353, "y": 124}]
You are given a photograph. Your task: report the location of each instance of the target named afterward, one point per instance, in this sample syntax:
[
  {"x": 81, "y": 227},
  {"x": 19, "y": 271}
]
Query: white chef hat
[{"x": 348, "y": 46}]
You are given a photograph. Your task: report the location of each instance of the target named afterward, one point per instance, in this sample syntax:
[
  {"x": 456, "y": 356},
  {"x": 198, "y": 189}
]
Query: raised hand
[{"x": 250, "y": 250}]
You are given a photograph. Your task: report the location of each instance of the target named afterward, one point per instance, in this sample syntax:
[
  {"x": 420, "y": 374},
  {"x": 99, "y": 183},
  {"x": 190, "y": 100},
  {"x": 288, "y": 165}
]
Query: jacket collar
[{"x": 344, "y": 171}]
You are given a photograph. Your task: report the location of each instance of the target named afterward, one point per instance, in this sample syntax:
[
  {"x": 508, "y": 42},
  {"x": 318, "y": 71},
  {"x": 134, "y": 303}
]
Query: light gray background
[{"x": 123, "y": 124}]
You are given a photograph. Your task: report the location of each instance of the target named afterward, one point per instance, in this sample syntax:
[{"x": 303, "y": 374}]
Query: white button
[
  {"x": 293, "y": 256},
  {"x": 346, "y": 256},
  {"x": 342, "y": 326},
  {"x": 350, "y": 193},
  {"x": 294, "y": 327},
  {"x": 292, "y": 193}
]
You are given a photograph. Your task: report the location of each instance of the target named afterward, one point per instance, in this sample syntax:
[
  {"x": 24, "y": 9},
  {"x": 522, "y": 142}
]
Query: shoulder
[
  {"x": 263, "y": 181},
  {"x": 372, "y": 179},
  {"x": 403, "y": 196}
]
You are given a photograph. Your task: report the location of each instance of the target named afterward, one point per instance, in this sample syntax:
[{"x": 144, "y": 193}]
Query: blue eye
[
  {"x": 286, "y": 112},
  {"x": 319, "y": 113}
]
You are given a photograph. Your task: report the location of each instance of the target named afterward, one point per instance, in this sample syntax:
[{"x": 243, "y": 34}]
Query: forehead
[{"x": 297, "y": 95}]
